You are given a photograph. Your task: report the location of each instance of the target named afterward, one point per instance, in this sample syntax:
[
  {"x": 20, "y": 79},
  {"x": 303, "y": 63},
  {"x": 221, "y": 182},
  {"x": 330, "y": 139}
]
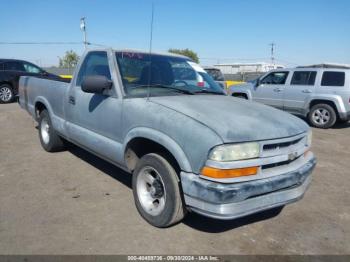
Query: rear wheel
[
  {"x": 322, "y": 116},
  {"x": 157, "y": 191},
  {"x": 49, "y": 138},
  {"x": 6, "y": 94}
]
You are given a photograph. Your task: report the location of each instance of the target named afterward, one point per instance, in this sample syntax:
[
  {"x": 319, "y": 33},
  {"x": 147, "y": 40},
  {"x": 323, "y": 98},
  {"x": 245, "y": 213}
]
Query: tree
[
  {"x": 186, "y": 52},
  {"x": 70, "y": 60}
]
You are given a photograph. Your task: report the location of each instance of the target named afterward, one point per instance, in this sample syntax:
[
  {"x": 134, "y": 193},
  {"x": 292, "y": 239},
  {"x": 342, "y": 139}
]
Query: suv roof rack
[{"x": 327, "y": 65}]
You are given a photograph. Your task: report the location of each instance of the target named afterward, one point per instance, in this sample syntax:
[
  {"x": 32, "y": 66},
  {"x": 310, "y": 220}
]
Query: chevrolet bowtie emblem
[{"x": 292, "y": 156}]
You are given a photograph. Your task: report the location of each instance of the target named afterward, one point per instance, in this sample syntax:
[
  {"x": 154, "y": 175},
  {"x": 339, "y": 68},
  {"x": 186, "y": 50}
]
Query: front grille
[
  {"x": 264, "y": 167},
  {"x": 290, "y": 149},
  {"x": 282, "y": 145}
]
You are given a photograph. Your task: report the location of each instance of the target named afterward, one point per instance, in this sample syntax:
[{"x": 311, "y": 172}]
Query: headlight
[
  {"x": 242, "y": 151},
  {"x": 309, "y": 138}
]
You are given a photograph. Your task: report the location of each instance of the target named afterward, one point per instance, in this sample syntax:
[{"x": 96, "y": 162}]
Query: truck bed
[{"x": 51, "y": 93}]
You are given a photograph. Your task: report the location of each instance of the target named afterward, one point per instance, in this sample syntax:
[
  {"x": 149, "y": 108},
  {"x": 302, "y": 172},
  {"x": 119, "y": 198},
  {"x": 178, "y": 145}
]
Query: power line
[
  {"x": 40, "y": 43},
  {"x": 50, "y": 43}
]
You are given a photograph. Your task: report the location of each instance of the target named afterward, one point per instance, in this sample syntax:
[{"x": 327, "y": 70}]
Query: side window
[
  {"x": 306, "y": 78},
  {"x": 95, "y": 63},
  {"x": 31, "y": 68},
  {"x": 14, "y": 66},
  {"x": 331, "y": 78},
  {"x": 275, "y": 78}
]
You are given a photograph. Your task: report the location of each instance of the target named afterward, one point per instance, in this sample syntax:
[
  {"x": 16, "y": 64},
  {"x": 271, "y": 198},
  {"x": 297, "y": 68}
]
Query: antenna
[
  {"x": 150, "y": 53},
  {"x": 273, "y": 53}
]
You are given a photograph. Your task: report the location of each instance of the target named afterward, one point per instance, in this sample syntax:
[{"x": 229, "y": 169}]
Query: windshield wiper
[
  {"x": 206, "y": 91},
  {"x": 179, "y": 90}
]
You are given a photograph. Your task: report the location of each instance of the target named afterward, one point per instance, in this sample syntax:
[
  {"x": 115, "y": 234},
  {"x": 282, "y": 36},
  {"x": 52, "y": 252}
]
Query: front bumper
[{"x": 229, "y": 201}]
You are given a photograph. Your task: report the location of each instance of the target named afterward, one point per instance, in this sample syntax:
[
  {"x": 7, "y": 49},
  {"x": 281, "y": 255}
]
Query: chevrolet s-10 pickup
[{"x": 187, "y": 145}]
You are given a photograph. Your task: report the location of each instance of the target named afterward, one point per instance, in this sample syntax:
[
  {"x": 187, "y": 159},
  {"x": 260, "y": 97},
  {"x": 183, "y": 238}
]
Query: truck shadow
[
  {"x": 104, "y": 166},
  {"x": 192, "y": 220},
  {"x": 210, "y": 225}
]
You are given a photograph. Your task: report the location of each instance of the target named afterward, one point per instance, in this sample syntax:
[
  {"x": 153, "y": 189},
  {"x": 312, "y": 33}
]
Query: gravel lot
[{"x": 74, "y": 203}]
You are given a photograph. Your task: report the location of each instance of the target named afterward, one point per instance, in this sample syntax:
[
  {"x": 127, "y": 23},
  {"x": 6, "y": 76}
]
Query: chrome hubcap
[
  {"x": 45, "y": 131},
  {"x": 150, "y": 191},
  {"x": 5, "y": 94},
  {"x": 321, "y": 116}
]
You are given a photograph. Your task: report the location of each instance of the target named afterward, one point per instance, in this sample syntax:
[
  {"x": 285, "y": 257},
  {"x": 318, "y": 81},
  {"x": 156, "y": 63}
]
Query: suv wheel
[
  {"x": 157, "y": 192},
  {"x": 322, "y": 116},
  {"x": 49, "y": 139},
  {"x": 6, "y": 94}
]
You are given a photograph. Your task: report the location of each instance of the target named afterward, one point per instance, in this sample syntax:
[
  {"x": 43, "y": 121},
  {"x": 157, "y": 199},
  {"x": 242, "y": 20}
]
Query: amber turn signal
[{"x": 229, "y": 173}]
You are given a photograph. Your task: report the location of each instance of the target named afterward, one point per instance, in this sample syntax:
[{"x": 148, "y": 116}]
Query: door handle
[
  {"x": 308, "y": 91},
  {"x": 71, "y": 100},
  {"x": 277, "y": 90}
]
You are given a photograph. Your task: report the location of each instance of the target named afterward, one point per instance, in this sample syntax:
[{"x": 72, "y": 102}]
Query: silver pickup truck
[{"x": 187, "y": 145}]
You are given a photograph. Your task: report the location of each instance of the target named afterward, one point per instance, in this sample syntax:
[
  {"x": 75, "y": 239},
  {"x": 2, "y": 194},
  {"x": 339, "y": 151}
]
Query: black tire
[
  {"x": 53, "y": 143},
  {"x": 173, "y": 210},
  {"x": 326, "y": 121},
  {"x": 6, "y": 94}
]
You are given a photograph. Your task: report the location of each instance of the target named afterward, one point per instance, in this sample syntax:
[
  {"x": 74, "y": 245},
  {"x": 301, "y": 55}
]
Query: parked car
[
  {"x": 217, "y": 75},
  {"x": 10, "y": 72},
  {"x": 321, "y": 93},
  {"x": 180, "y": 141}
]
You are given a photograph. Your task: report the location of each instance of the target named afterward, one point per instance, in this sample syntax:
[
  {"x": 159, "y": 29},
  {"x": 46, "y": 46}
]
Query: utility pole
[
  {"x": 273, "y": 53},
  {"x": 83, "y": 28}
]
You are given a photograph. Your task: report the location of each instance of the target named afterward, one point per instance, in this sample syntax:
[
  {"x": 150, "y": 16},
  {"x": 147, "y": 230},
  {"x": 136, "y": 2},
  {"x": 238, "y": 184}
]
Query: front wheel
[
  {"x": 49, "y": 138},
  {"x": 322, "y": 116},
  {"x": 6, "y": 94},
  {"x": 156, "y": 190}
]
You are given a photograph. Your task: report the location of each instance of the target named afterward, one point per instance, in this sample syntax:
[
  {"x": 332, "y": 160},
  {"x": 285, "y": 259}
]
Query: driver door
[
  {"x": 94, "y": 119},
  {"x": 269, "y": 90}
]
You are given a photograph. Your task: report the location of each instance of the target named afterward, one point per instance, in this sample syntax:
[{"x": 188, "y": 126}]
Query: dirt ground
[{"x": 75, "y": 203}]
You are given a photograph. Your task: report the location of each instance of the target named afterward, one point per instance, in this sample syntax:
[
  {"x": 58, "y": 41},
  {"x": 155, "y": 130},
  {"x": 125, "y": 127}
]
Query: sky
[{"x": 220, "y": 31}]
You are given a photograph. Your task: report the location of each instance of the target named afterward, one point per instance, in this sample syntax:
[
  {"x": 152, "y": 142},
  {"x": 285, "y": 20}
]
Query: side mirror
[
  {"x": 95, "y": 84},
  {"x": 44, "y": 73}
]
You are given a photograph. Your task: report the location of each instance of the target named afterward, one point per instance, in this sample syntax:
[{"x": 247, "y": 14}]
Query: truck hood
[{"x": 234, "y": 119}]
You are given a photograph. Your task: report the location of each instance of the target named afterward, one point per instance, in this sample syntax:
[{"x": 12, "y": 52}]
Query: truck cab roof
[{"x": 137, "y": 51}]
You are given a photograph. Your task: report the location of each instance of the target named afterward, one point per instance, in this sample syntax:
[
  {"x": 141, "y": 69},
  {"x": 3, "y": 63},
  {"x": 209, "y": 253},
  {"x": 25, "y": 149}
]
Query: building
[
  {"x": 241, "y": 68},
  {"x": 245, "y": 71}
]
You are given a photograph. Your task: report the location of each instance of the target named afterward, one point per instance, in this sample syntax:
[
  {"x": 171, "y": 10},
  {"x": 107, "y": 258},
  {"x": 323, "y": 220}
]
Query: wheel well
[
  {"x": 320, "y": 101},
  {"x": 39, "y": 107},
  {"x": 138, "y": 147},
  {"x": 6, "y": 83},
  {"x": 240, "y": 94}
]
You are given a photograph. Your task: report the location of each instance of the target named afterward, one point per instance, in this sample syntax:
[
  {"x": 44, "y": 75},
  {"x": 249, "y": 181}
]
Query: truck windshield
[{"x": 163, "y": 75}]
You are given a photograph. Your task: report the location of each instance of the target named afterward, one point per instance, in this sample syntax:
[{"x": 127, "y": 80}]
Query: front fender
[
  {"x": 240, "y": 90},
  {"x": 160, "y": 138}
]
